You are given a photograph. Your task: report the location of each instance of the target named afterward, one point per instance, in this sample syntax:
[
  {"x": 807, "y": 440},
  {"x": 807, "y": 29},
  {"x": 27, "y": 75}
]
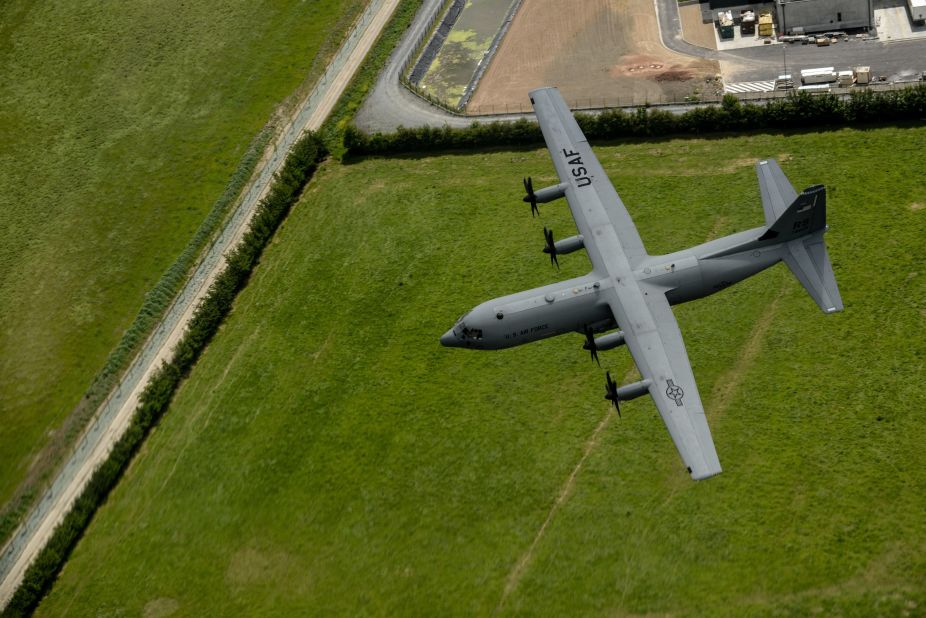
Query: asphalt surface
[
  {"x": 670, "y": 30},
  {"x": 897, "y": 60},
  {"x": 391, "y": 105}
]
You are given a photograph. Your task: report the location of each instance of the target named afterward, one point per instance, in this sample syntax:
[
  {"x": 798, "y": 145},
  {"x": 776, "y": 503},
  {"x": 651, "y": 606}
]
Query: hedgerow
[
  {"x": 801, "y": 110},
  {"x": 364, "y": 80},
  {"x": 299, "y": 167}
]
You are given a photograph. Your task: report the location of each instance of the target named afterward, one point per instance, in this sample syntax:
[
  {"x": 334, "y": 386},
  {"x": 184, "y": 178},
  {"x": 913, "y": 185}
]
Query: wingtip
[
  {"x": 536, "y": 91},
  {"x": 706, "y": 473}
]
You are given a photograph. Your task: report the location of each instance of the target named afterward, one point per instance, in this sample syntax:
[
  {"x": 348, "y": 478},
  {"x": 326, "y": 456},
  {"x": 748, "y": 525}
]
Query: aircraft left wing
[
  {"x": 587, "y": 188},
  {"x": 652, "y": 335}
]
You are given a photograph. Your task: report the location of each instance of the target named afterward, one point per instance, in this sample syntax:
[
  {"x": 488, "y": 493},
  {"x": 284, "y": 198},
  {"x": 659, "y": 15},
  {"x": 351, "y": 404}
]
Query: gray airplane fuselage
[{"x": 573, "y": 305}]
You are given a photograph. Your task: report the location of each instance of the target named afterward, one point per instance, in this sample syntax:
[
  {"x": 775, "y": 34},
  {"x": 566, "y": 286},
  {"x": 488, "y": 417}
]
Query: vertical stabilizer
[{"x": 775, "y": 189}]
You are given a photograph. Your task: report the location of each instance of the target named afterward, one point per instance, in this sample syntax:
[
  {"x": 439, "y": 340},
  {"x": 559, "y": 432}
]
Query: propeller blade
[
  {"x": 611, "y": 392},
  {"x": 590, "y": 344},
  {"x": 550, "y": 247},
  {"x": 531, "y": 198}
]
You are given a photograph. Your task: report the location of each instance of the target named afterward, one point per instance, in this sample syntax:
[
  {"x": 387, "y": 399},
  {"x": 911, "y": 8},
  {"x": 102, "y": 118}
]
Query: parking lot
[{"x": 892, "y": 21}]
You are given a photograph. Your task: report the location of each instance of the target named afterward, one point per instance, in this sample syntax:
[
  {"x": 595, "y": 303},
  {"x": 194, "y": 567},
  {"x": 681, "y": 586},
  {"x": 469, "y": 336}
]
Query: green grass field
[
  {"x": 120, "y": 124},
  {"x": 327, "y": 456}
]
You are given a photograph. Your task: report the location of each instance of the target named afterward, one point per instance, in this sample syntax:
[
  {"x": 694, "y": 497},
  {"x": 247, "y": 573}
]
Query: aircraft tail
[{"x": 801, "y": 227}]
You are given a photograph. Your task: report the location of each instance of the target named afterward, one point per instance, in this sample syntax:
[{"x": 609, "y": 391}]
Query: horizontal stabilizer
[{"x": 808, "y": 260}]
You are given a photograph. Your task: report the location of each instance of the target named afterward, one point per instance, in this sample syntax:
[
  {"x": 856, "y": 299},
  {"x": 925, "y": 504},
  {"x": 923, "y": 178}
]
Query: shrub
[{"x": 800, "y": 110}]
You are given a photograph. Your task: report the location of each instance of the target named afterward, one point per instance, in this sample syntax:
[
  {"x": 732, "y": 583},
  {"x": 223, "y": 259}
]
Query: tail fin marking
[{"x": 807, "y": 214}]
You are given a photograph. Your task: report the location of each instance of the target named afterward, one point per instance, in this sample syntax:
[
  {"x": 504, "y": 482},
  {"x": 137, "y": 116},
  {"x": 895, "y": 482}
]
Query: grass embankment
[
  {"x": 326, "y": 455},
  {"x": 120, "y": 128},
  {"x": 340, "y": 118}
]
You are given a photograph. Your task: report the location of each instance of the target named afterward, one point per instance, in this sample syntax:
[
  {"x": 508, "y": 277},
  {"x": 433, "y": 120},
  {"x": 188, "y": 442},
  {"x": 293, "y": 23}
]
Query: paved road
[
  {"x": 897, "y": 60},
  {"x": 670, "y": 31},
  {"x": 391, "y": 105},
  {"x": 115, "y": 414}
]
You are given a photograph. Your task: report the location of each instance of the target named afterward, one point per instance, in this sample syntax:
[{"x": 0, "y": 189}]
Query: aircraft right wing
[
  {"x": 775, "y": 188},
  {"x": 652, "y": 335}
]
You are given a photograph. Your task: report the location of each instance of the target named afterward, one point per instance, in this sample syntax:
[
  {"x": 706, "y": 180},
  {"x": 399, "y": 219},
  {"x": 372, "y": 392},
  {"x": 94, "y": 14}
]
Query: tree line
[{"x": 801, "y": 110}]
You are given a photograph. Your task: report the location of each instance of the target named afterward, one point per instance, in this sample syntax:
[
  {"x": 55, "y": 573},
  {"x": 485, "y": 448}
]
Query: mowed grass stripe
[
  {"x": 118, "y": 130},
  {"x": 327, "y": 456}
]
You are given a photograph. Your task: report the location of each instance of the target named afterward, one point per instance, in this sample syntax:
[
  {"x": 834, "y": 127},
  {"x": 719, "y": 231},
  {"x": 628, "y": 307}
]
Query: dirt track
[{"x": 597, "y": 52}]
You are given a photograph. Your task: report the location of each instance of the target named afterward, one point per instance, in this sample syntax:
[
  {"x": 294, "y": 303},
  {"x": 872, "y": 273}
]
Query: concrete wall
[{"x": 823, "y": 15}]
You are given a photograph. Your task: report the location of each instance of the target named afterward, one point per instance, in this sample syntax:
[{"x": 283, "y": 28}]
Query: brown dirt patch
[
  {"x": 597, "y": 52},
  {"x": 251, "y": 566},
  {"x": 160, "y": 608},
  {"x": 694, "y": 30},
  {"x": 916, "y": 206},
  {"x": 673, "y": 76}
]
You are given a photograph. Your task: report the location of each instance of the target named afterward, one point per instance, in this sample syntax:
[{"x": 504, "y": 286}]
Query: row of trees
[
  {"x": 299, "y": 167},
  {"x": 798, "y": 111}
]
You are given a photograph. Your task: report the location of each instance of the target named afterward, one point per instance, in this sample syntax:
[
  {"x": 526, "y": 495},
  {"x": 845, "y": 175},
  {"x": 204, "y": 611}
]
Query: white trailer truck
[
  {"x": 826, "y": 75},
  {"x": 917, "y": 11}
]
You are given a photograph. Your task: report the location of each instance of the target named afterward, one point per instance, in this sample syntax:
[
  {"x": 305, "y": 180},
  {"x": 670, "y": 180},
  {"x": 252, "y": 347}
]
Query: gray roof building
[{"x": 804, "y": 16}]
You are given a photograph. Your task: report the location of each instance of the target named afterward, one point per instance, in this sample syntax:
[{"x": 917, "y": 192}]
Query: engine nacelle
[
  {"x": 548, "y": 194},
  {"x": 568, "y": 245},
  {"x": 610, "y": 341},
  {"x": 632, "y": 391}
]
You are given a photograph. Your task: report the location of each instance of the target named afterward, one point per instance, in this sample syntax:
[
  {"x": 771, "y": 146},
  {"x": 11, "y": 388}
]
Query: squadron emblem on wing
[{"x": 674, "y": 392}]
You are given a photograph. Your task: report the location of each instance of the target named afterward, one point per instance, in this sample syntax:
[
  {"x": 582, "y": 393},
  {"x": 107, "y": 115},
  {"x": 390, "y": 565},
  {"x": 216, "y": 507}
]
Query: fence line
[
  {"x": 424, "y": 38},
  {"x": 630, "y": 102},
  {"x": 490, "y": 53}
]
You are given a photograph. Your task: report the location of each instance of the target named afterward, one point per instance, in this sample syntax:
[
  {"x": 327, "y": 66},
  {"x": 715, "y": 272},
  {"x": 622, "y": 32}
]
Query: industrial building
[{"x": 804, "y": 16}]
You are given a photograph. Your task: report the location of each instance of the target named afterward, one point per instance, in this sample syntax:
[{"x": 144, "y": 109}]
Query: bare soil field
[
  {"x": 694, "y": 29},
  {"x": 599, "y": 52}
]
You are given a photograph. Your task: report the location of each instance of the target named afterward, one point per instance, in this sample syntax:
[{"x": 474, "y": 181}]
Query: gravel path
[{"x": 115, "y": 414}]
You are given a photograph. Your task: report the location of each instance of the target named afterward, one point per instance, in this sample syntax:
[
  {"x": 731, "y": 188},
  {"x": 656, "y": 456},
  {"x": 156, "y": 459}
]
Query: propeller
[
  {"x": 551, "y": 247},
  {"x": 531, "y": 197},
  {"x": 611, "y": 392},
  {"x": 590, "y": 344}
]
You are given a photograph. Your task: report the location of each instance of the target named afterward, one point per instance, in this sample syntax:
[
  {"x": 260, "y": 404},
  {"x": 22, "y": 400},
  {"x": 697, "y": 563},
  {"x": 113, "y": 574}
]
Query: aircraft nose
[{"x": 449, "y": 340}]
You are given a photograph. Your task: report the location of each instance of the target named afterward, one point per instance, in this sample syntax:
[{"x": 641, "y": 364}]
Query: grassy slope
[
  {"x": 119, "y": 126},
  {"x": 328, "y": 455}
]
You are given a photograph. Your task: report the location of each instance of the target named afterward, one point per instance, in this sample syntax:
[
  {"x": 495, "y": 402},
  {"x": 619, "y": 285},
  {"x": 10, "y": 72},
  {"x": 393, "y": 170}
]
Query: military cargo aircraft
[{"x": 632, "y": 291}]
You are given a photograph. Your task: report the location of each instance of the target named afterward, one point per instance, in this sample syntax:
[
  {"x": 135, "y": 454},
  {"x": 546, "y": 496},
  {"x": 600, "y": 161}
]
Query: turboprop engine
[
  {"x": 547, "y": 194},
  {"x": 567, "y": 245},
  {"x": 624, "y": 393},
  {"x": 605, "y": 342}
]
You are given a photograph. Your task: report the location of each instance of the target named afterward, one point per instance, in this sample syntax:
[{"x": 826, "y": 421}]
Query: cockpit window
[{"x": 468, "y": 333}]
